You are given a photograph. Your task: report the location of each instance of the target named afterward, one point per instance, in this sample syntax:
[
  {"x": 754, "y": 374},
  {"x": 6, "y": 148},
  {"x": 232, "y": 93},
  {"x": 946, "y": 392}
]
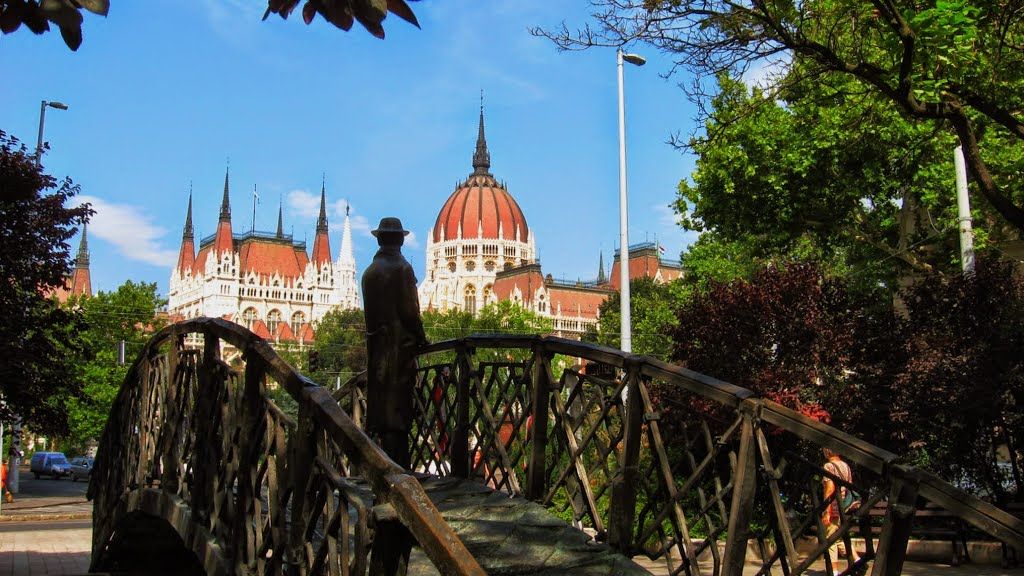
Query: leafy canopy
[
  {"x": 955, "y": 65},
  {"x": 39, "y": 335}
]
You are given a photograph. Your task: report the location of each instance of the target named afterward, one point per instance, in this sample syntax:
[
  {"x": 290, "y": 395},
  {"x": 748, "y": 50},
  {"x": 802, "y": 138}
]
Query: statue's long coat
[{"x": 393, "y": 332}]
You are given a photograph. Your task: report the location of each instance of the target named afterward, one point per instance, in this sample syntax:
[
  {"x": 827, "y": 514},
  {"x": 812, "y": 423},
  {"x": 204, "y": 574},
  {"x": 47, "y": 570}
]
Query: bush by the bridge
[{"x": 936, "y": 375}]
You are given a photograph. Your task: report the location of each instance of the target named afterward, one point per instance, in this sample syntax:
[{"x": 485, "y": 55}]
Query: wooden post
[
  {"x": 535, "y": 484},
  {"x": 741, "y": 511},
  {"x": 392, "y": 543},
  {"x": 301, "y": 451},
  {"x": 248, "y": 461},
  {"x": 899, "y": 515},
  {"x": 623, "y": 506},
  {"x": 460, "y": 435}
]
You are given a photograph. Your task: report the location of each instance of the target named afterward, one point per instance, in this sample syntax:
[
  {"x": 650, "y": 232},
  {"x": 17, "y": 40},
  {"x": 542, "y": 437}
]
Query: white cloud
[
  {"x": 131, "y": 230},
  {"x": 303, "y": 203},
  {"x": 764, "y": 73}
]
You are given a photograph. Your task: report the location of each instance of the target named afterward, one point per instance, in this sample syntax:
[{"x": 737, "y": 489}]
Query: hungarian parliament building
[{"x": 480, "y": 251}]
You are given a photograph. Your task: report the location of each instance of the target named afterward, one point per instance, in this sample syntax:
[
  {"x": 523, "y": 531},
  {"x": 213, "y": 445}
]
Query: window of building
[
  {"x": 470, "y": 266},
  {"x": 470, "y": 297},
  {"x": 298, "y": 319},
  {"x": 249, "y": 317},
  {"x": 489, "y": 265},
  {"x": 488, "y": 294},
  {"x": 542, "y": 306},
  {"x": 451, "y": 267},
  {"x": 273, "y": 319}
]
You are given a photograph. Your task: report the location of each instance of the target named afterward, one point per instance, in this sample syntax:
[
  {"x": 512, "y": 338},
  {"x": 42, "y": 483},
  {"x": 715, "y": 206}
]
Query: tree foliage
[
  {"x": 38, "y": 334},
  {"x": 940, "y": 382},
  {"x": 127, "y": 314},
  {"x": 343, "y": 13},
  {"x": 340, "y": 344},
  {"x": 956, "y": 65},
  {"x": 829, "y": 174},
  {"x": 652, "y": 317},
  {"x": 37, "y": 15}
]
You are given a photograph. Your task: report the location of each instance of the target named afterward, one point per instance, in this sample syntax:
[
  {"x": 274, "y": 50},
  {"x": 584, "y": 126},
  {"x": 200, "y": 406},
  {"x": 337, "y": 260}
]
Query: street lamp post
[
  {"x": 626, "y": 321},
  {"x": 42, "y": 117}
]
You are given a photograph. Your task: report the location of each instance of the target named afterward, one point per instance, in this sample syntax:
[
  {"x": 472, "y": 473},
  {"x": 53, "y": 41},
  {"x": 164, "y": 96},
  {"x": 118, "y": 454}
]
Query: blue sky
[{"x": 163, "y": 94}]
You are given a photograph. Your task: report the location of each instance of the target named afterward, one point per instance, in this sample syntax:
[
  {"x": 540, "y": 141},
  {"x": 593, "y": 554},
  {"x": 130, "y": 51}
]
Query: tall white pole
[
  {"x": 963, "y": 205},
  {"x": 625, "y": 319}
]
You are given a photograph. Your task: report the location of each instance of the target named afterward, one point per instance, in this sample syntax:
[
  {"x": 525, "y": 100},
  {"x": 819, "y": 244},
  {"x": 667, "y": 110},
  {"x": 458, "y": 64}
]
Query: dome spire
[{"x": 481, "y": 157}]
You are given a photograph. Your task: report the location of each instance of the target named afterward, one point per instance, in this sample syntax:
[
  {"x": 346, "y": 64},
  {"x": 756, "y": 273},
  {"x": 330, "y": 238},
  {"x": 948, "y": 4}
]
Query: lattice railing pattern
[
  {"x": 251, "y": 489},
  {"x": 196, "y": 438},
  {"x": 594, "y": 450}
]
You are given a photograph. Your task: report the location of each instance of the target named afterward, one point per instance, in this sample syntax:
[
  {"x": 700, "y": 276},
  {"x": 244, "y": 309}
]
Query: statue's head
[{"x": 390, "y": 232}]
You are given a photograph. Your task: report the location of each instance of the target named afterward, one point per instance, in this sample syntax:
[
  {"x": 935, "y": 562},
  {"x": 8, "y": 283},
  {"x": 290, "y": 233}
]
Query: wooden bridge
[{"x": 198, "y": 456}]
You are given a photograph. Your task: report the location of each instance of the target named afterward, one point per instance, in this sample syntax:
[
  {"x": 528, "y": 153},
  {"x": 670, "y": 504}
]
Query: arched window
[
  {"x": 273, "y": 319},
  {"x": 470, "y": 266},
  {"x": 451, "y": 267},
  {"x": 542, "y": 306},
  {"x": 488, "y": 294},
  {"x": 489, "y": 265},
  {"x": 298, "y": 319},
  {"x": 470, "y": 296},
  {"x": 249, "y": 317}
]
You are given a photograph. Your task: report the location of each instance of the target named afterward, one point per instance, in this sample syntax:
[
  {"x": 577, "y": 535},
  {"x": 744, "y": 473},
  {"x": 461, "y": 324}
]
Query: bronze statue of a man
[{"x": 393, "y": 333}]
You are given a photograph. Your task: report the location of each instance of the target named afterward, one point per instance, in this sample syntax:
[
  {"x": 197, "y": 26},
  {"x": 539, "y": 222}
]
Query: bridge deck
[{"x": 516, "y": 536}]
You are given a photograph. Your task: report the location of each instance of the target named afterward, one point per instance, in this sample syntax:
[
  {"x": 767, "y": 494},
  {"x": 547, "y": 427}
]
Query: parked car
[
  {"x": 81, "y": 467},
  {"x": 49, "y": 464}
]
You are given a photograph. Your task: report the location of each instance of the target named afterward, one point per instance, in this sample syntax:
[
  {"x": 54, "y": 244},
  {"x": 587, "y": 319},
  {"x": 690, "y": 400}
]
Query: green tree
[
  {"x": 127, "y": 314},
  {"x": 826, "y": 175},
  {"x": 652, "y": 317},
  {"x": 954, "y": 65},
  {"x": 39, "y": 335},
  {"x": 340, "y": 344}
]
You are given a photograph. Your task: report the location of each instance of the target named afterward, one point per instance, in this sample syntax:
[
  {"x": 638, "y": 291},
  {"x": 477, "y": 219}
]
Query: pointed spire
[
  {"x": 346, "y": 255},
  {"x": 322, "y": 242},
  {"x": 225, "y": 204},
  {"x": 321, "y": 223},
  {"x": 280, "y": 222},
  {"x": 481, "y": 157},
  {"x": 82, "y": 260},
  {"x": 601, "y": 278},
  {"x": 187, "y": 234}
]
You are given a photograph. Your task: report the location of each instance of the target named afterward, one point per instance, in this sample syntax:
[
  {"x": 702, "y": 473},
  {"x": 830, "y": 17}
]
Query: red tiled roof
[
  {"x": 187, "y": 256},
  {"x": 284, "y": 332},
  {"x": 266, "y": 258},
  {"x": 306, "y": 335},
  {"x": 321, "y": 249},
  {"x": 481, "y": 201},
  {"x": 259, "y": 328}
]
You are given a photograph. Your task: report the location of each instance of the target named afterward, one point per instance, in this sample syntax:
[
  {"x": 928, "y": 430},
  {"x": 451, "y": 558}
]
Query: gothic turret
[
  {"x": 322, "y": 243},
  {"x": 222, "y": 242},
  {"x": 187, "y": 254},
  {"x": 81, "y": 281}
]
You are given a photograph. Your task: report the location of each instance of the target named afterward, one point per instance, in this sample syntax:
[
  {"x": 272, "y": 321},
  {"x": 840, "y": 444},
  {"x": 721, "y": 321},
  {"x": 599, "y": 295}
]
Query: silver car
[{"x": 81, "y": 467}]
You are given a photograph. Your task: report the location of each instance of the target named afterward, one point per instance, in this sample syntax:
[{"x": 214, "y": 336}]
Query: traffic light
[{"x": 314, "y": 360}]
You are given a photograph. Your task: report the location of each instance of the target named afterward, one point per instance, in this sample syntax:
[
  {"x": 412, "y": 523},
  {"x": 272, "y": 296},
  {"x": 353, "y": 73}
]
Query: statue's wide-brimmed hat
[{"x": 390, "y": 225}]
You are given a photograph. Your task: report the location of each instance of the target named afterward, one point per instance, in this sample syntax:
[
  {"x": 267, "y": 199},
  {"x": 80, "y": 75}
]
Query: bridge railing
[
  {"x": 195, "y": 439},
  {"x": 706, "y": 470}
]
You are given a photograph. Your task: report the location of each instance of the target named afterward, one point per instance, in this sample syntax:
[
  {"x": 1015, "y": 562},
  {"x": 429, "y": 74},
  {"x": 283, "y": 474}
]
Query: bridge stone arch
[{"x": 154, "y": 535}]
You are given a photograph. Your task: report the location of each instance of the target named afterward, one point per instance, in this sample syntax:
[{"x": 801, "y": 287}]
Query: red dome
[{"x": 480, "y": 203}]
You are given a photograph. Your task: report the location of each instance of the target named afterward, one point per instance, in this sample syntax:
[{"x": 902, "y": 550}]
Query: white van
[{"x": 50, "y": 464}]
